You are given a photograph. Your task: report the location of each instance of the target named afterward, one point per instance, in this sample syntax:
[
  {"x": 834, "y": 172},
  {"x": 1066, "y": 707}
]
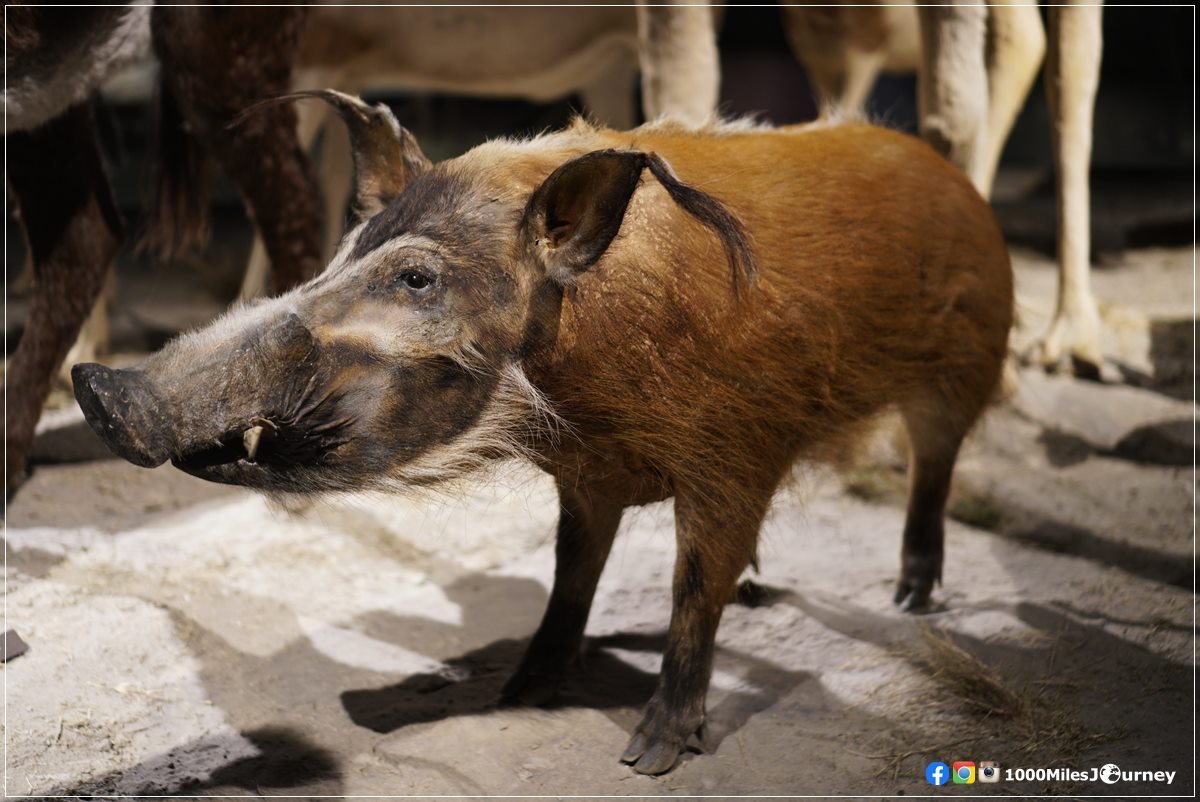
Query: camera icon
[{"x": 989, "y": 772}]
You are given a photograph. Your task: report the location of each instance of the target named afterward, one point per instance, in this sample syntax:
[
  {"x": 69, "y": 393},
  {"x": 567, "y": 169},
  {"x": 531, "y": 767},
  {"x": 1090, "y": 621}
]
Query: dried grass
[
  {"x": 976, "y": 685},
  {"x": 1031, "y": 717},
  {"x": 1028, "y": 719}
]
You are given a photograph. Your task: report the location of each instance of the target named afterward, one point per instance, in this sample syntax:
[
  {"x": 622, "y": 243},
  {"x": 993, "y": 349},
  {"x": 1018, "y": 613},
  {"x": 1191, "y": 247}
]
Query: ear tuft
[{"x": 573, "y": 217}]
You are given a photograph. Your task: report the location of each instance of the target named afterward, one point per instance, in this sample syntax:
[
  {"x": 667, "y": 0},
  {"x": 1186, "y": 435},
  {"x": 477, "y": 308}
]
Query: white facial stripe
[
  {"x": 373, "y": 333},
  {"x": 342, "y": 267},
  {"x": 375, "y": 336},
  {"x": 239, "y": 320}
]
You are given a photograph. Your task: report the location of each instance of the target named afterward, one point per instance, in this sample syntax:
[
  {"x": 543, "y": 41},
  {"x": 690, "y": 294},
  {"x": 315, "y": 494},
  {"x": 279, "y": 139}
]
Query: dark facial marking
[
  {"x": 436, "y": 401},
  {"x": 430, "y": 200}
]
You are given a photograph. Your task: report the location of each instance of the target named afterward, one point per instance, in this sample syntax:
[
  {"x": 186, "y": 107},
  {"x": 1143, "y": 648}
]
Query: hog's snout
[{"x": 123, "y": 409}]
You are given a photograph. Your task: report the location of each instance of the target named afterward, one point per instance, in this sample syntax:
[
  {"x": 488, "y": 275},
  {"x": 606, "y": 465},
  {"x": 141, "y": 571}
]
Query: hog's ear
[
  {"x": 386, "y": 155},
  {"x": 574, "y": 215}
]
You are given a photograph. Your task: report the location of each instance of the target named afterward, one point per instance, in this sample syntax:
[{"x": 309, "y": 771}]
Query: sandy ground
[{"x": 190, "y": 638}]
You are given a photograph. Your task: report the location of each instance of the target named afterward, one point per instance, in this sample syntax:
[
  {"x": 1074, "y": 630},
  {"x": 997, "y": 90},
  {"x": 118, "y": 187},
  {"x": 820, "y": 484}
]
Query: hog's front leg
[
  {"x": 586, "y": 528},
  {"x": 715, "y": 538}
]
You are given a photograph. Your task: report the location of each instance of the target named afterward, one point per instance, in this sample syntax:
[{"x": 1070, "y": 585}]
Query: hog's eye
[{"x": 415, "y": 279}]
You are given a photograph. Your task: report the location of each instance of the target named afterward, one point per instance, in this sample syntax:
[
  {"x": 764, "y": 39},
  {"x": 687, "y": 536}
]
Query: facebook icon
[{"x": 937, "y": 773}]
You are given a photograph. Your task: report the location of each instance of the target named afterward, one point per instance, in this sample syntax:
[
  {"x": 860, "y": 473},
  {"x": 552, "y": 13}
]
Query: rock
[{"x": 1116, "y": 420}]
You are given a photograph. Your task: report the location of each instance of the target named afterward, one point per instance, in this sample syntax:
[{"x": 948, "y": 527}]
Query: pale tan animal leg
[
  {"x": 310, "y": 118},
  {"x": 841, "y": 72},
  {"x": 846, "y": 89},
  {"x": 1016, "y": 45},
  {"x": 93, "y": 336},
  {"x": 952, "y": 98},
  {"x": 22, "y": 284},
  {"x": 1072, "y": 78},
  {"x": 680, "y": 68},
  {"x": 254, "y": 280},
  {"x": 335, "y": 170},
  {"x": 609, "y": 100}
]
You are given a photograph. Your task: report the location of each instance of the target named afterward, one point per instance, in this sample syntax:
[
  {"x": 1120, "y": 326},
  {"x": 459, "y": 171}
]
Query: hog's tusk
[{"x": 250, "y": 441}]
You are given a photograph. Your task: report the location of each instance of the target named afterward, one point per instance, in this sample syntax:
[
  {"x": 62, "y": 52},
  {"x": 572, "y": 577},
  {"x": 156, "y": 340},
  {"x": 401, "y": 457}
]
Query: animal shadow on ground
[
  {"x": 470, "y": 683},
  {"x": 1172, "y": 351},
  {"x": 285, "y": 760},
  {"x": 1065, "y": 538},
  {"x": 1128, "y": 700},
  {"x": 1072, "y": 644},
  {"x": 1162, "y": 443},
  {"x": 1172, "y": 346}
]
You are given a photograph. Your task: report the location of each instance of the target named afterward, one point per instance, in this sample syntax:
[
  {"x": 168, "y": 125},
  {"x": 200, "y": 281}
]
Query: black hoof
[
  {"x": 912, "y": 600},
  {"x": 918, "y": 575},
  {"x": 659, "y": 740}
]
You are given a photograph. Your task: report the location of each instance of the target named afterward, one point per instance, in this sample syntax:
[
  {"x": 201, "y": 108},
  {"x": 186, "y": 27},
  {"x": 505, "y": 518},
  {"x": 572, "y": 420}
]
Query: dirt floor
[{"x": 191, "y": 638}]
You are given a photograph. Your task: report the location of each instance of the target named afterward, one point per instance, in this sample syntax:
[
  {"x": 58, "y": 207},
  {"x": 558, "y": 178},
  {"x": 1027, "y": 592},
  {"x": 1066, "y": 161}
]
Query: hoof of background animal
[
  {"x": 1087, "y": 368},
  {"x": 1058, "y": 352},
  {"x": 917, "y": 578},
  {"x": 659, "y": 740}
]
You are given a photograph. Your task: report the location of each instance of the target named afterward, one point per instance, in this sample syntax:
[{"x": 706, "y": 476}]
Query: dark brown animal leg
[
  {"x": 217, "y": 61},
  {"x": 586, "y": 529},
  {"x": 935, "y": 434},
  {"x": 715, "y": 543},
  {"x": 73, "y": 231},
  {"x": 924, "y": 530}
]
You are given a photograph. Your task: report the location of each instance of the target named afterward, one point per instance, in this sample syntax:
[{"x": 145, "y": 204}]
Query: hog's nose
[{"x": 122, "y": 408}]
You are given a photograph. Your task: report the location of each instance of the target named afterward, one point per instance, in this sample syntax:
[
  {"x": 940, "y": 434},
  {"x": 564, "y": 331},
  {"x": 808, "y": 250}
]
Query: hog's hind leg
[
  {"x": 937, "y": 424},
  {"x": 586, "y": 528},
  {"x": 716, "y": 541}
]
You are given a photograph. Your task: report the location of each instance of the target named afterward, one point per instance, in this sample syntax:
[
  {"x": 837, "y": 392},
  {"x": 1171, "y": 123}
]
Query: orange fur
[{"x": 883, "y": 280}]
